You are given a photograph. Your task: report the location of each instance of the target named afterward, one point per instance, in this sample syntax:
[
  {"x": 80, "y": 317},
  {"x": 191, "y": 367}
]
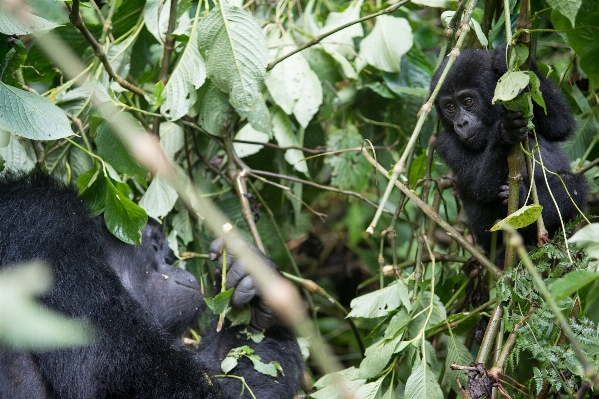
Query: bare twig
[
  {"x": 319, "y": 38},
  {"x": 99, "y": 51}
]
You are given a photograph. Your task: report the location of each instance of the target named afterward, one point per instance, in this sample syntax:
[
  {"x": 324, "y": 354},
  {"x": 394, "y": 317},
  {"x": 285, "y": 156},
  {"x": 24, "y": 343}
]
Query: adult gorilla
[
  {"x": 478, "y": 136},
  {"x": 134, "y": 299}
]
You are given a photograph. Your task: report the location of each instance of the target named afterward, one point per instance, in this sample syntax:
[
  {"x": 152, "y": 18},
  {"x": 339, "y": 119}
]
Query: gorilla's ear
[{"x": 499, "y": 65}]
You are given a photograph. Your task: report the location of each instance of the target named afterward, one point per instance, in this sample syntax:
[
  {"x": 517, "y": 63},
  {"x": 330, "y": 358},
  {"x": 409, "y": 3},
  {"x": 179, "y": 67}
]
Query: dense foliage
[{"x": 297, "y": 118}]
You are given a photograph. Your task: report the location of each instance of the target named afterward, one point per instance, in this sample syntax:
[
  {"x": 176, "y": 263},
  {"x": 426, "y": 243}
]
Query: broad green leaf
[
  {"x": 431, "y": 3},
  {"x": 156, "y": 15},
  {"x": 92, "y": 189},
  {"x": 182, "y": 225},
  {"x": 214, "y": 106},
  {"x": 24, "y": 324},
  {"x": 584, "y": 39},
  {"x": 172, "y": 139},
  {"x": 397, "y": 324},
  {"x": 523, "y": 217},
  {"x": 376, "y": 357},
  {"x": 456, "y": 353},
  {"x": 390, "y": 39},
  {"x": 31, "y": 116},
  {"x": 228, "y": 364},
  {"x": 259, "y": 117},
  {"x": 342, "y": 42},
  {"x": 294, "y": 86},
  {"x": 264, "y": 368},
  {"x": 18, "y": 154},
  {"x": 235, "y": 53},
  {"x": 339, "y": 385},
  {"x": 285, "y": 136},
  {"x": 248, "y": 133},
  {"x": 588, "y": 238},
  {"x": 11, "y": 25},
  {"x": 350, "y": 169},
  {"x": 418, "y": 169},
  {"x": 123, "y": 218},
  {"x": 113, "y": 151},
  {"x": 568, "y": 8},
  {"x": 159, "y": 199},
  {"x": 379, "y": 302},
  {"x": 370, "y": 390},
  {"x": 422, "y": 384},
  {"x": 570, "y": 283},
  {"x": 220, "y": 302},
  {"x": 186, "y": 78},
  {"x": 510, "y": 85}
]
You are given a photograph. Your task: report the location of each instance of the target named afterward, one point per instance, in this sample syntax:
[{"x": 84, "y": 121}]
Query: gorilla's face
[{"x": 172, "y": 295}]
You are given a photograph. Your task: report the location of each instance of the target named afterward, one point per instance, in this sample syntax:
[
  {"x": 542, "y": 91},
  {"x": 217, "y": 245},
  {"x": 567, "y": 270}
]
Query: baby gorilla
[
  {"x": 477, "y": 137},
  {"x": 135, "y": 300}
]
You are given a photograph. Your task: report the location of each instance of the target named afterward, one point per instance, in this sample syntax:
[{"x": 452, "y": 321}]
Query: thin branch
[
  {"x": 99, "y": 50},
  {"x": 319, "y": 38},
  {"x": 169, "y": 46},
  {"x": 257, "y": 173}
]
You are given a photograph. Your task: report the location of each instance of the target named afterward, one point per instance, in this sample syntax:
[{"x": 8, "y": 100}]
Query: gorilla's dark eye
[
  {"x": 468, "y": 102},
  {"x": 450, "y": 107}
]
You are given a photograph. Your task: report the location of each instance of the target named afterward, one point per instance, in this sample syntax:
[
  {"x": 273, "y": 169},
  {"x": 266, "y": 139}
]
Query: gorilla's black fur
[
  {"x": 135, "y": 301},
  {"x": 478, "y": 135}
]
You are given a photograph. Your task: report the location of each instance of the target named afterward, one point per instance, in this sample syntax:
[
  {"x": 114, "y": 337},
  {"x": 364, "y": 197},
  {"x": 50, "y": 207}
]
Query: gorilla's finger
[
  {"x": 262, "y": 317},
  {"x": 245, "y": 291},
  {"x": 215, "y": 250},
  {"x": 235, "y": 273}
]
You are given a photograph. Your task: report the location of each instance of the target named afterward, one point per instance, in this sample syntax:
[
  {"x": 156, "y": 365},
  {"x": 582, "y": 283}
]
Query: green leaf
[
  {"x": 214, "y": 108},
  {"x": 456, "y": 353},
  {"x": 588, "y": 238},
  {"x": 294, "y": 86},
  {"x": 342, "y": 42},
  {"x": 92, "y": 189},
  {"x": 570, "y": 283},
  {"x": 379, "y": 302},
  {"x": 286, "y": 137},
  {"x": 523, "y": 217},
  {"x": 417, "y": 170},
  {"x": 123, "y": 218},
  {"x": 18, "y": 154},
  {"x": 568, "y": 8},
  {"x": 370, "y": 390},
  {"x": 228, "y": 364},
  {"x": 11, "y": 25},
  {"x": 339, "y": 385},
  {"x": 24, "y": 324},
  {"x": 390, "y": 39},
  {"x": 172, "y": 139},
  {"x": 186, "y": 78},
  {"x": 422, "y": 384},
  {"x": 220, "y": 302},
  {"x": 350, "y": 169},
  {"x": 236, "y": 54},
  {"x": 159, "y": 199},
  {"x": 264, "y": 368},
  {"x": 248, "y": 133},
  {"x": 31, "y": 116},
  {"x": 510, "y": 85},
  {"x": 376, "y": 357},
  {"x": 113, "y": 151},
  {"x": 584, "y": 40}
]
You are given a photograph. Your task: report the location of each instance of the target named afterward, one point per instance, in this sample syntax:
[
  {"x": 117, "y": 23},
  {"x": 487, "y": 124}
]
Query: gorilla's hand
[
  {"x": 246, "y": 290},
  {"x": 513, "y": 127}
]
